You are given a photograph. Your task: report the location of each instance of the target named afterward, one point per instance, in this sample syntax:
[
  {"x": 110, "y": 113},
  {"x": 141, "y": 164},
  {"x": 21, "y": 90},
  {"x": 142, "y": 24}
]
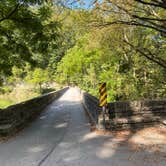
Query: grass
[
  {"x": 5, "y": 103},
  {"x": 20, "y": 94}
]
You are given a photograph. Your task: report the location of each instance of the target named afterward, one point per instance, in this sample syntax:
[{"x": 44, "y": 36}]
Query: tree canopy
[
  {"x": 121, "y": 42},
  {"x": 27, "y": 29}
]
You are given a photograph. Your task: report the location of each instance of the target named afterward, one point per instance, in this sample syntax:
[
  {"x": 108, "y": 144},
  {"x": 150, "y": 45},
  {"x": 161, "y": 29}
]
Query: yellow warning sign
[{"x": 103, "y": 94}]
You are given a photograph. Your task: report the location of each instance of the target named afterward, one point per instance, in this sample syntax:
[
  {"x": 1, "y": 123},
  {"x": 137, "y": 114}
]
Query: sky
[
  {"x": 85, "y": 4},
  {"x": 75, "y": 4}
]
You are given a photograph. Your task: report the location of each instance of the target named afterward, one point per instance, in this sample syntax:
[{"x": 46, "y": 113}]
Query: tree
[
  {"x": 38, "y": 77},
  {"x": 26, "y": 29},
  {"x": 144, "y": 13},
  {"x": 101, "y": 55},
  {"x": 149, "y": 15}
]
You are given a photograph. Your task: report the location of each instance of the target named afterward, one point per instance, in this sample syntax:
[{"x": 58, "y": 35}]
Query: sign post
[{"x": 103, "y": 104}]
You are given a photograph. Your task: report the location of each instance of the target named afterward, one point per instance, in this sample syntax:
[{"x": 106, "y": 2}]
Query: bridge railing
[
  {"x": 17, "y": 116},
  {"x": 136, "y": 114},
  {"x": 126, "y": 114},
  {"x": 91, "y": 105}
]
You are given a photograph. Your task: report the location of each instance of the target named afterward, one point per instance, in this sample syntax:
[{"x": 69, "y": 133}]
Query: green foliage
[
  {"x": 25, "y": 31},
  {"x": 5, "y": 103},
  {"x": 6, "y": 89},
  {"x": 101, "y": 56},
  {"x": 41, "y": 42},
  {"x": 38, "y": 77},
  {"x": 47, "y": 90}
]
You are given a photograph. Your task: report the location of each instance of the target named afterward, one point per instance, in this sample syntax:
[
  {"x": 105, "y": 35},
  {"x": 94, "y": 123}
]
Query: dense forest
[{"x": 82, "y": 43}]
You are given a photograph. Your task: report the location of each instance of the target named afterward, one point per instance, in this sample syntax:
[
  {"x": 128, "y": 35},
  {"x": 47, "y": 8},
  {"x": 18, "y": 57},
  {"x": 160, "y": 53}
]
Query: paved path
[{"x": 61, "y": 137}]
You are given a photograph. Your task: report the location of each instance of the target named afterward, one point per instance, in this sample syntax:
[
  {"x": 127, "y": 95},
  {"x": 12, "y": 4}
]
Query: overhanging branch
[
  {"x": 10, "y": 13},
  {"x": 130, "y": 23},
  {"x": 157, "y": 4},
  {"x": 161, "y": 62}
]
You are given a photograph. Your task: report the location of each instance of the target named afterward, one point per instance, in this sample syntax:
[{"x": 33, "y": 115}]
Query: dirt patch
[
  {"x": 152, "y": 139},
  {"x": 150, "y": 136}
]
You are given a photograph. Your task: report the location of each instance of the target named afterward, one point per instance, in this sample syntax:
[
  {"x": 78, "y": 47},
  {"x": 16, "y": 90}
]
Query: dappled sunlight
[
  {"x": 109, "y": 147},
  {"x": 87, "y": 78},
  {"x": 42, "y": 117},
  {"x": 105, "y": 153},
  {"x": 72, "y": 158},
  {"x": 150, "y": 136},
  {"x": 90, "y": 136},
  {"x": 146, "y": 141},
  {"x": 62, "y": 125},
  {"x": 107, "y": 150},
  {"x": 36, "y": 149},
  {"x": 65, "y": 144}
]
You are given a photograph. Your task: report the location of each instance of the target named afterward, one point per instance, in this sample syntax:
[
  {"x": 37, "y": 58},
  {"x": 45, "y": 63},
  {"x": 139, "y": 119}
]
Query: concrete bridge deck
[{"x": 61, "y": 137}]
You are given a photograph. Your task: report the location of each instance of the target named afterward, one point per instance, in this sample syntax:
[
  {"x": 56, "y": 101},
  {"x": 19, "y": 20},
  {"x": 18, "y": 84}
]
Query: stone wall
[
  {"x": 126, "y": 108},
  {"x": 17, "y": 116},
  {"x": 126, "y": 114},
  {"x": 136, "y": 114},
  {"x": 90, "y": 104}
]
